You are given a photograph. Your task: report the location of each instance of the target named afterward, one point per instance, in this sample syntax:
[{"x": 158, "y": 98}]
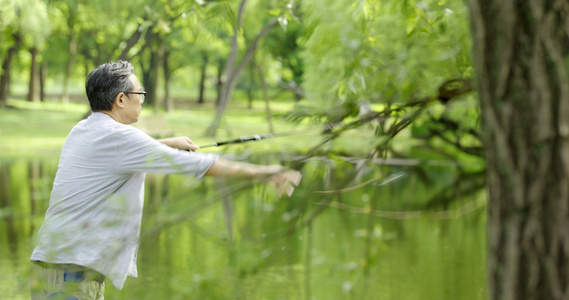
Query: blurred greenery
[{"x": 329, "y": 62}]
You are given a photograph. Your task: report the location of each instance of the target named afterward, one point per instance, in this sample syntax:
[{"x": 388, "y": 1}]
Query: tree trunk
[
  {"x": 149, "y": 72},
  {"x": 250, "y": 85},
  {"x": 134, "y": 38},
  {"x": 147, "y": 81},
  {"x": 219, "y": 84},
  {"x": 232, "y": 74},
  {"x": 202, "y": 79},
  {"x": 233, "y": 71},
  {"x": 70, "y": 64},
  {"x": 43, "y": 77},
  {"x": 157, "y": 62},
  {"x": 226, "y": 94},
  {"x": 523, "y": 85},
  {"x": 33, "y": 87},
  {"x": 6, "y": 66},
  {"x": 168, "y": 102},
  {"x": 5, "y": 78}
]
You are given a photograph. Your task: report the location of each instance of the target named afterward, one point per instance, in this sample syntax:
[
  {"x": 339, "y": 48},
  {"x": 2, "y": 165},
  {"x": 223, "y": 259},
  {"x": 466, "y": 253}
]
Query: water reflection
[{"x": 230, "y": 239}]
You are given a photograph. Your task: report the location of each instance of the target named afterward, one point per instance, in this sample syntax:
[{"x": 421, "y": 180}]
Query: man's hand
[
  {"x": 182, "y": 143},
  {"x": 285, "y": 180}
]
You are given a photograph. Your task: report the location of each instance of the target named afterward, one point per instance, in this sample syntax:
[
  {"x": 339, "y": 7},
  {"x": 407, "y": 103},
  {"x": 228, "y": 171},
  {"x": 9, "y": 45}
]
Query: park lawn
[{"x": 39, "y": 129}]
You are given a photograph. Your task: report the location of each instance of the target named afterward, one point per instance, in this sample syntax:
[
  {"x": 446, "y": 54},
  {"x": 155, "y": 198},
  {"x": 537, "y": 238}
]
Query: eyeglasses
[{"x": 143, "y": 94}]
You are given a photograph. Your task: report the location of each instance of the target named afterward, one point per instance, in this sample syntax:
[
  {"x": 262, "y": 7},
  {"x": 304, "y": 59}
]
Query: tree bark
[{"x": 520, "y": 50}]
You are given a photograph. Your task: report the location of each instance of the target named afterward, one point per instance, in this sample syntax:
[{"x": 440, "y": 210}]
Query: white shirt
[{"x": 95, "y": 210}]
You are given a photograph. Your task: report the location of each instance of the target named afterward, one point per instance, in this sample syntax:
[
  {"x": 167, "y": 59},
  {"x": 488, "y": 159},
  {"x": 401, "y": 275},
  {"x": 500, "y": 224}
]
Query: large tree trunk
[{"x": 520, "y": 49}]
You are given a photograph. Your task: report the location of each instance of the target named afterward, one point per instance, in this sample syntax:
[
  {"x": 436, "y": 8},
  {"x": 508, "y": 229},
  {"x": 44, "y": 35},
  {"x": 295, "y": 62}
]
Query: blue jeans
[{"x": 65, "y": 282}]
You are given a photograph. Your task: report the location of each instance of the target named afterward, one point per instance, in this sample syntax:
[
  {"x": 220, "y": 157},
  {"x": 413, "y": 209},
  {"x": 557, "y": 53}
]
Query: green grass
[{"x": 37, "y": 129}]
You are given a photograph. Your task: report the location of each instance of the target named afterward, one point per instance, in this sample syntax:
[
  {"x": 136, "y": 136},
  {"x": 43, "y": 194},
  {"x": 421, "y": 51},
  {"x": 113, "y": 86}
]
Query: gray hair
[{"x": 106, "y": 82}]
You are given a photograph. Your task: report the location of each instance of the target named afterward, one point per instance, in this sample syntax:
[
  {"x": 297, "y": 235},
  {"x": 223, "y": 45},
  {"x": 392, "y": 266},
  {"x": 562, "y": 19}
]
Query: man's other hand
[{"x": 182, "y": 143}]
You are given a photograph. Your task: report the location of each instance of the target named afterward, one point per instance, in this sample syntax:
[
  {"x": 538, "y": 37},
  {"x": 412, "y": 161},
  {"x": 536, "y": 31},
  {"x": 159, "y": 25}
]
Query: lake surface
[{"x": 352, "y": 230}]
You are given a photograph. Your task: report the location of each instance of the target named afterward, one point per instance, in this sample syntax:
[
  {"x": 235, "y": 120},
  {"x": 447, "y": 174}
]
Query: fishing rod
[{"x": 258, "y": 137}]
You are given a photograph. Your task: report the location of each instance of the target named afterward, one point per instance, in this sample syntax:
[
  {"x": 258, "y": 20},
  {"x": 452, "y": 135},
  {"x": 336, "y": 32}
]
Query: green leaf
[{"x": 275, "y": 12}]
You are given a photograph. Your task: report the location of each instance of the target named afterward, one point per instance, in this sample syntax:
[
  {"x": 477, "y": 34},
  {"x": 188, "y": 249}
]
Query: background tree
[
  {"x": 35, "y": 40},
  {"x": 12, "y": 14},
  {"x": 189, "y": 44},
  {"x": 215, "y": 29},
  {"x": 161, "y": 17},
  {"x": 24, "y": 25},
  {"x": 284, "y": 47},
  {"x": 374, "y": 65},
  {"x": 233, "y": 68},
  {"x": 70, "y": 11}
]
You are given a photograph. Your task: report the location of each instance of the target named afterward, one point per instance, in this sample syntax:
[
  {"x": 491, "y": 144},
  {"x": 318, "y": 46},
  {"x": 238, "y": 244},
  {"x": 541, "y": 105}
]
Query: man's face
[{"x": 133, "y": 105}]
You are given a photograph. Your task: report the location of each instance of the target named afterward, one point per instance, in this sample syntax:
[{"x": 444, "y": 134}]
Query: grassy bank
[{"x": 38, "y": 129}]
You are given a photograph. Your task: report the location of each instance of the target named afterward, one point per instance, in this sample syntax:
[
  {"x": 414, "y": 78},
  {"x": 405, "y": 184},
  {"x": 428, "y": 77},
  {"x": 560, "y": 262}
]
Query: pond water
[{"x": 350, "y": 231}]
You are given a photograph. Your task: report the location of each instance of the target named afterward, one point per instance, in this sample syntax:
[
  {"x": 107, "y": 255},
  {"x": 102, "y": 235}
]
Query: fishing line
[
  {"x": 385, "y": 203},
  {"x": 390, "y": 179}
]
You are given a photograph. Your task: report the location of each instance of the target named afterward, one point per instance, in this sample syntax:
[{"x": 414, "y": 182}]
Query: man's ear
[{"x": 120, "y": 99}]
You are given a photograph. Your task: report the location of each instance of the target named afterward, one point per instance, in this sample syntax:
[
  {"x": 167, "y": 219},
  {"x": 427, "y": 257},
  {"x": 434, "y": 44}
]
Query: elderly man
[{"x": 92, "y": 226}]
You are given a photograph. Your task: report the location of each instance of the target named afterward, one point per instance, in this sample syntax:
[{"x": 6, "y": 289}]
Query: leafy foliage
[
  {"x": 390, "y": 60},
  {"x": 385, "y": 52}
]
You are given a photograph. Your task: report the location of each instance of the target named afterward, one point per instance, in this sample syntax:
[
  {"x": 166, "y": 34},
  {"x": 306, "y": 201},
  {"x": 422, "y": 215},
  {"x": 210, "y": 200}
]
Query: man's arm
[
  {"x": 284, "y": 179},
  {"x": 227, "y": 168}
]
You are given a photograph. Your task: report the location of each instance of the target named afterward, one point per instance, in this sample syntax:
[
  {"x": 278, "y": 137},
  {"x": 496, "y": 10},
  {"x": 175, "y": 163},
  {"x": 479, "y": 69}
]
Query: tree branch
[{"x": 251, "y": 50}]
